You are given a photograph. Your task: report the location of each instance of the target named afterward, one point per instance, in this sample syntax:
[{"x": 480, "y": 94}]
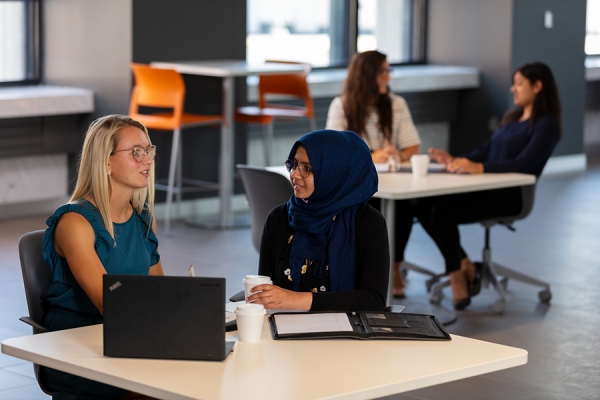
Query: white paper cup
[
  {"x": 254, "y": 280},
  {"x": 420, "y": 164},
  {"x": 250, "y": 318}
]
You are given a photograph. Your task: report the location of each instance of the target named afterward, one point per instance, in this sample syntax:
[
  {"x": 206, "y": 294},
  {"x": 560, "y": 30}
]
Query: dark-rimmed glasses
[
  {"x": 304, "y": 169},
  {"x": 139, "y": 152}
]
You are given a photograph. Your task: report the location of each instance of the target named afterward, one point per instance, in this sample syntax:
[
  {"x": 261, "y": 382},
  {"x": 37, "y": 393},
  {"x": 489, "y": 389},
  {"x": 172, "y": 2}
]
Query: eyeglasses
[
  {"x": 386, "y": 71},
  {"x": 139, "y": 152},
  {"x": 304, "y": 169}
]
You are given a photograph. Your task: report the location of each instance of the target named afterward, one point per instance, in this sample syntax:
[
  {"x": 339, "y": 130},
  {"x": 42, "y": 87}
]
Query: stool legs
[
  {"x": 179, "y": 173},
  {"x": 171, "y": 181},
  {"x": 267, "y": 133}
]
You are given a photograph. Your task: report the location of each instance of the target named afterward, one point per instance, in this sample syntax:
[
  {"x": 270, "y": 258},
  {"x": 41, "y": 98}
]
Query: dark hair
[
  {"x": 361, "y": 92},
  {"x": 547, "y": 101}
]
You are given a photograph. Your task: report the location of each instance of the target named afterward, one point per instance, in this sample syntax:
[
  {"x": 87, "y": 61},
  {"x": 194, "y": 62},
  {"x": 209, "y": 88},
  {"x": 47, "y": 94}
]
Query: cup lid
[
  {"x": 250, "y": 309},
  {"x": 257, "y": 279}
]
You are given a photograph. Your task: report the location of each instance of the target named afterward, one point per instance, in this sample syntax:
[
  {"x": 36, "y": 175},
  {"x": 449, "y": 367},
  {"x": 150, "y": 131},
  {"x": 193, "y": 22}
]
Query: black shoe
[
  {"x": 475, "y": 286},
  {"x": 462, "y": 303}
]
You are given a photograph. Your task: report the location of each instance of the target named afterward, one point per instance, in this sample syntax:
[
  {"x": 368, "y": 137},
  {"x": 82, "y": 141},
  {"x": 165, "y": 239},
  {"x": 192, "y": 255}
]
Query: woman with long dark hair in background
[{"x": 383, "y": 120}]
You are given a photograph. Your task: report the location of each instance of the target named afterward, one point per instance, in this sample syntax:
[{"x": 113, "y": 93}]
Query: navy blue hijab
[{"x": 344, "y": 177}]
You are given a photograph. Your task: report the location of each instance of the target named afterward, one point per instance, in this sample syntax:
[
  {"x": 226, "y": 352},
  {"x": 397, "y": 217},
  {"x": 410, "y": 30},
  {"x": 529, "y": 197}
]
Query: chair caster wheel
[
  {"x": 498, "y": 306},
  {"x": 430, "y": 282},
  {"x": 504, "y": 283},
  {"x": 545, "y": 296},
  {"x": 435, "y": 298}
]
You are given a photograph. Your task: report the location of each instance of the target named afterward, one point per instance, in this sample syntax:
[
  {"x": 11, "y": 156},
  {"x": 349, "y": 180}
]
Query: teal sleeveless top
[{"x": 133, "y": 251}]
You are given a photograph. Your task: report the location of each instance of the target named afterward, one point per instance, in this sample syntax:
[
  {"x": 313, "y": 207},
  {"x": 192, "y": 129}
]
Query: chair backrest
[
  {"x": 158, "y": 88},
  {"x": 36, "y": 274},
  {"x": 527, "y": 198},
  {"x": 289, "y": 84},
  {"x": 264, "y": 190}
]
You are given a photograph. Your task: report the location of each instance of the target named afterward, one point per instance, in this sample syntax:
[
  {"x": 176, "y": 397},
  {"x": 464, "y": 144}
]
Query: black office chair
[
  {"x": 493, "y": 273},
  {"x": 36, "y": 278}
]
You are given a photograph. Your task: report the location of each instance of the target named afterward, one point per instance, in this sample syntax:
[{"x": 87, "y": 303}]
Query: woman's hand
[
  {"x": 272, "y": 296},
  {"x": 464, "y": 166},
  {"x": 441, "y": 156},
  {"x": 382, "y": 155}
]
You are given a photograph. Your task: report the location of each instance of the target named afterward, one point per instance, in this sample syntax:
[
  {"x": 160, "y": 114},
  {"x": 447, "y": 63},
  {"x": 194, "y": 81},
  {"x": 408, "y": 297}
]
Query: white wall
[{"x": 89, "y": 44}]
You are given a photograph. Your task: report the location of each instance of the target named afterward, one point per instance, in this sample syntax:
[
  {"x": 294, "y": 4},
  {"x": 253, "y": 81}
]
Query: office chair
[
  {"x": 264, "y": 190},
  {"x": 165, "y": 89},
  {"x": 493, "y": 273},
  {"x": 36, "y": 278},
  {"x": 290, "y": 85}
]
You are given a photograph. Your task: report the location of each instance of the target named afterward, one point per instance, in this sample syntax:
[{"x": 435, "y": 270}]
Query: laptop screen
[{"x": 164, "y": 317}]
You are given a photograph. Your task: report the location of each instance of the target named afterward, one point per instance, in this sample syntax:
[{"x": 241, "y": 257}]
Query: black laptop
[{"x": 164, "y": 317}]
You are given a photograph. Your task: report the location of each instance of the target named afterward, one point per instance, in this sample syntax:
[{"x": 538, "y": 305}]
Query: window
[
  {"x": 394, "y": 27},
  {"x": 325, "y": 33},
  {"x": 19, "y": 41},
  {"x": 592, "y": 31}
]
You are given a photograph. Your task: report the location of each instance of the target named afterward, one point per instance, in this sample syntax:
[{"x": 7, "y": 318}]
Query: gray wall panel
[
  {"x": 165, "y": 30},
  {"x": 498, "y": 35}
]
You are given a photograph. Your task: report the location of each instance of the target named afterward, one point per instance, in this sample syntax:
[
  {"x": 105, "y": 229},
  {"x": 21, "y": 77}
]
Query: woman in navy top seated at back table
[
  {"x": 107, "y": 227},
  {"x": 523, "y": 143},
  {"x": 326, "y": 248}
]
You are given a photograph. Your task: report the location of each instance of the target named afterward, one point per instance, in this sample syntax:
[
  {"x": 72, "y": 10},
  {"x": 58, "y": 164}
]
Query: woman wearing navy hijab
[{"x": 326, "y": 249}]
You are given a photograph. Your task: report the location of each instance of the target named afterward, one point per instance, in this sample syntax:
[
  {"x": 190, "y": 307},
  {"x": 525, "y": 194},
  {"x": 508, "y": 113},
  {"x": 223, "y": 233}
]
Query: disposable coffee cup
[
  {"x": 254, "y": 280},
  {"x": 250, "y": 318},
  {"x": 420, "y": 164}
]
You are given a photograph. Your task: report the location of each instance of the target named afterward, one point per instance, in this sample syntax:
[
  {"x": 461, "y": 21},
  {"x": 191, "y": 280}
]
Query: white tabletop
[
  {"x": 224, "y": 68},
  {"x": 403, "y": 185},
  {"x": 303, "y": 369}
]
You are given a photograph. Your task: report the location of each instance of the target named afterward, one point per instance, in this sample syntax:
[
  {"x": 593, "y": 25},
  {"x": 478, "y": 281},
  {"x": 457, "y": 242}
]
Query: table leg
[
  {"x": 389, "y": 210},
  {"x": 227, "y": 149}
]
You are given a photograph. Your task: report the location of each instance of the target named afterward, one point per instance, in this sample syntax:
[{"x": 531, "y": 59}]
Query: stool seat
[{"x": 167, "y": 120}]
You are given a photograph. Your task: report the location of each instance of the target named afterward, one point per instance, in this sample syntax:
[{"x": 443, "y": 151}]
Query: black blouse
[{"x": 372, "y": 263}]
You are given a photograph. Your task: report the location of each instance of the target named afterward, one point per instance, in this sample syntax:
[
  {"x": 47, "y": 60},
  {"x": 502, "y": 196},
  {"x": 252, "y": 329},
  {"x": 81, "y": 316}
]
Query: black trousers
[
  {"x": 440, "y": 216},
  {"x": 403, "y": 224}
]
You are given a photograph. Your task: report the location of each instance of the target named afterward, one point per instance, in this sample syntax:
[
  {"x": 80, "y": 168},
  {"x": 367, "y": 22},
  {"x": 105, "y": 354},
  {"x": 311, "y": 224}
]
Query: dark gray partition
[{"x": 165, "y": 30}]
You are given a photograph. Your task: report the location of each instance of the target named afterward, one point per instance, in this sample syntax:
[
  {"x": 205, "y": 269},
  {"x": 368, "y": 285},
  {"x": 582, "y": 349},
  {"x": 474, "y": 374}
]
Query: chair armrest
[
  {"x": 395, "y": 308},
  {"x": 239, "y": 296},
  {"x": 37, "y": 328}
]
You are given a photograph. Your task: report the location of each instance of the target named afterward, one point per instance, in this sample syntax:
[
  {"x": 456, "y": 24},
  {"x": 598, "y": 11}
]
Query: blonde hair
[{"x": 93, "y": 179}]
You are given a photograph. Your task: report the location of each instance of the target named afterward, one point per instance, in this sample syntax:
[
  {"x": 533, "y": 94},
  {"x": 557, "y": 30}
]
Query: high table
[
  {"x": 403, "y": 185},
  {"x": 271, "y": 369},
  {"x": 227, "y": 69}
]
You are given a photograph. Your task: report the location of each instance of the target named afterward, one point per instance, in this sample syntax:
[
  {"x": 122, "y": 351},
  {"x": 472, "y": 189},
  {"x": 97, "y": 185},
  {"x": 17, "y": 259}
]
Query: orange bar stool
[
  {"x": 165, "y": 89},
  {"x": 293, "y": 85}
]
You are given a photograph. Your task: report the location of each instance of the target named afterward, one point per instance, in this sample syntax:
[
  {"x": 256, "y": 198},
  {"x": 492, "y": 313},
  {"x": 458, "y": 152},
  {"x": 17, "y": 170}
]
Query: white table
[
  {"x": 227, "y": 69},
  {"x": 302, "y": 369}
]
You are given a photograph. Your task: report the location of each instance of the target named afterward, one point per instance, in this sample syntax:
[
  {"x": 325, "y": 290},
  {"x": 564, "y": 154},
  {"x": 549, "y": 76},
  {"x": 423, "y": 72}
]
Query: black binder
[{"x": 373, "y": 325}]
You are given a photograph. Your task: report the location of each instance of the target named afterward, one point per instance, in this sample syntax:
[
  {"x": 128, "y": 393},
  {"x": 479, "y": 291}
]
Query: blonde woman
[{"x": 106, "y": 227}]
